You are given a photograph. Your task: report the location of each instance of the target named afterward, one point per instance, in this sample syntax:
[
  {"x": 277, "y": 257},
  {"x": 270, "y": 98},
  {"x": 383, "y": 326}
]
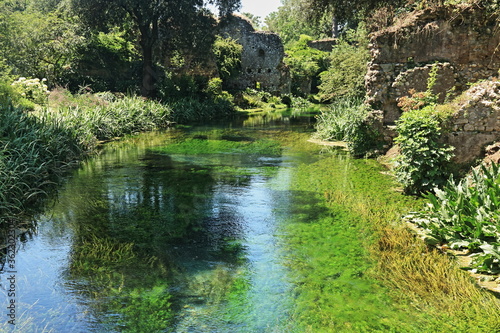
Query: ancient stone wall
[
  {"x": 325, "y": 45},
  {"x": 476, "y": 121},
  {"x": 262, "y": 56},
  {"x": 464, "y": 43}
]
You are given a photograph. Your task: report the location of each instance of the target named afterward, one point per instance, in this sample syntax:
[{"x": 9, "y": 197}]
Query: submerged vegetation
[
  {"x": 110, "y": 269},
  {"x": 374, "y": 252}
]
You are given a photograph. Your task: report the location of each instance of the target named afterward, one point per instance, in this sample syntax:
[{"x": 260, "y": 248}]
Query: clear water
[{"x": 211, "y": 223}]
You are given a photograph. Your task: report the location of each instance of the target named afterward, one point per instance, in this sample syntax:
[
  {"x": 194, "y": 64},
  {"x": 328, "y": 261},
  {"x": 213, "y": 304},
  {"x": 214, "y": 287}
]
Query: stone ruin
[
  {"x": 465, "y": 45},
  {"x": 262, "y": 57}
]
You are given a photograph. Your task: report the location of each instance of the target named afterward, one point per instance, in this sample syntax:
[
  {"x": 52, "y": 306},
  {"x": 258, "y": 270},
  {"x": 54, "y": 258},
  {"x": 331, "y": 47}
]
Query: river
[{"x": 194, "y": 229}]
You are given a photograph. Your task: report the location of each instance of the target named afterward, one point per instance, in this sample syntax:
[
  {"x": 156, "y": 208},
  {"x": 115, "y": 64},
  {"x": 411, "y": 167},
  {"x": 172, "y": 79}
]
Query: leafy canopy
[{"x": 149, "y": 19}]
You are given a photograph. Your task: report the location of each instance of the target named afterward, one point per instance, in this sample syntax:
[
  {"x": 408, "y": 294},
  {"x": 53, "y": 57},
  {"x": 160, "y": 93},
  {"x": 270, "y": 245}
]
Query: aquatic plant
[
  {"x": 193, "y": 146},
  {"x": 110, "y": 268},
  {"x": 420, "y": 289}
]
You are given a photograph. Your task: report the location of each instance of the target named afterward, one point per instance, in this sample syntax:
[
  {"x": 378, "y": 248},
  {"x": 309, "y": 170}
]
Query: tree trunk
[
  {"x": 149, "y": 75},
  {"x": 335, "y": 28},
  {"x": 149, "y": 36}
]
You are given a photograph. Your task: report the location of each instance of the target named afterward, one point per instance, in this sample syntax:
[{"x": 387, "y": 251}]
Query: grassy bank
[{"x": 37, "y": 147}]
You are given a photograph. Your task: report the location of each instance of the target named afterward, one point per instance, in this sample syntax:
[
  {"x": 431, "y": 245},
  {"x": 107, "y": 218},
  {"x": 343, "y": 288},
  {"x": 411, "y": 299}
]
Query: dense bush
[
  {"x": 305, "y": 65},
  {"x": 467, "y": 215},
  {"x": 424, "y": 161},
  {"x": 37, "y": 44},
  {"x": 348, "y": 64},
  {"x": 228, "y": 57},
  {"x": 192, "y": 110},
  {"x": 105, "y": 62}
]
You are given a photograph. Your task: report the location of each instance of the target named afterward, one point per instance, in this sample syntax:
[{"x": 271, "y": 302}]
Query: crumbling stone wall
[
  {"x": 262, "y": 56},
  {"x": 476, "y": 121},
  {"x": 325, "y": 45},
  {"x": 464, "y": 43}
]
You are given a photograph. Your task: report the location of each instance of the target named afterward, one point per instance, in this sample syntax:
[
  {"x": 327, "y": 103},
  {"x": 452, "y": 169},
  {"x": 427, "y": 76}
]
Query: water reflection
[{"x": 140, "y": 241}]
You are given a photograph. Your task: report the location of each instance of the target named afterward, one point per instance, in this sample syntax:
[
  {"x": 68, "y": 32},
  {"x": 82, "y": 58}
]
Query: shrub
[
  {"x": 192, "y": 110},
  {"x": 424, "y": 161},
  {"x": 259, "y": 99},
  {"x": 305, "y": 64},
  {"x": 6, "y": 93},
  {"x": 32, "y": 91},
  {"x": 228, "y": 57}
]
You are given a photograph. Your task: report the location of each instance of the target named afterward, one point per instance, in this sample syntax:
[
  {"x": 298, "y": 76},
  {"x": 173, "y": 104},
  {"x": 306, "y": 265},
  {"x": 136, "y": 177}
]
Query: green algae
[
  {"x": 193, "y": 146},
  {"x": 330, "y": 244}
]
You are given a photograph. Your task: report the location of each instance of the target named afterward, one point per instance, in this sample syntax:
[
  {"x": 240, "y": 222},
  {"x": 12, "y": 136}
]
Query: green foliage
[
  {"x": 467, "y": 215},
  {"x": 40, "y": 45},
  {"x": 228, "y": 57},
  {"x": 292, "y": 20},
  {"x": 187, "y": 110},
  {"x": 252, "y": 98},
  {"x": 147, "y": 19},
  {"x": 34, "y": 154},
  {"x": 305, "y": 64},
  {"x": 346, "y": 74},
  {"x": 347, "y": 120},
  {"x": 424, "y": 161},
  {"x": 106, "y": 62},
  {"x": 109, "y": 120},
  {"x": 349, "y": 11},
  {"x": 32, "y": 90},
  {"x": 7, "y": 93}
]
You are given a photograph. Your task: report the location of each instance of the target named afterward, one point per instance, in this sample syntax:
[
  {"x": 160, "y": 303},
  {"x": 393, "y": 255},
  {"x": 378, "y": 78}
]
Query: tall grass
[
  {"x": 347, "y": 120},
  {"x": 335, "y": 123},
  {"x": 32, "y": 157},
  {"x": 37, "y": 147}
]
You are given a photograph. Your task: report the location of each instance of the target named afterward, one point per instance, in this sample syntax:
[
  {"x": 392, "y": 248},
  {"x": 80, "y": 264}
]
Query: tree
[
  {"x": 346, "y": 73},
  {"x": 256, "y": 22},
  {"x": 38, "y": 45},
  {"x": 305, "y": 64},
  {"x": 346, "y": 11},
  {"x": 291, "y": 21},
  {"x": 149, "y": 18}
]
